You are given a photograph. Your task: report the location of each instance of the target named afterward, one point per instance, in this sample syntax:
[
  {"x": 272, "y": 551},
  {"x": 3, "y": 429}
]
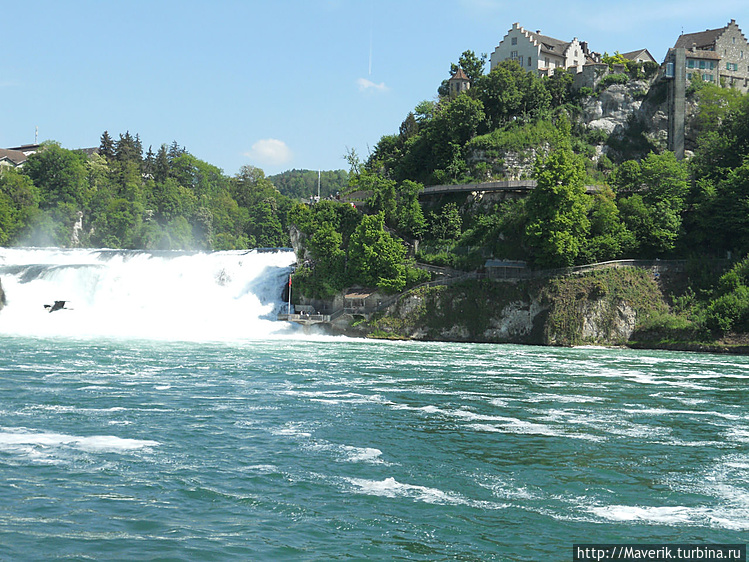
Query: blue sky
[{"x": 279, "y": 84}]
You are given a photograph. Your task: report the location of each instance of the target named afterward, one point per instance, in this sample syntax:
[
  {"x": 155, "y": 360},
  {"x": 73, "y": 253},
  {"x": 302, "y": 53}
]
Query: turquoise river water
[{"x": 294, "y": 447}]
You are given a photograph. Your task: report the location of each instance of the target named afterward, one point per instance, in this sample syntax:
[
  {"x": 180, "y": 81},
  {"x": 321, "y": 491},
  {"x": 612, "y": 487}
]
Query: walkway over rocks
[{"x": 505, "y": 186}]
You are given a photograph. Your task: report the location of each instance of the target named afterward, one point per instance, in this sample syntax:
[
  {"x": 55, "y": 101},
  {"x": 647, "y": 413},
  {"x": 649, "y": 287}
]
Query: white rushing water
[{"x": 134, "y": 294}]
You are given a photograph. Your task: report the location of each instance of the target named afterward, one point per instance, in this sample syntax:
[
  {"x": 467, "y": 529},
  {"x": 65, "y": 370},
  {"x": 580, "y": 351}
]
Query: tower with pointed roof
[{"x": 458, "y": 83}]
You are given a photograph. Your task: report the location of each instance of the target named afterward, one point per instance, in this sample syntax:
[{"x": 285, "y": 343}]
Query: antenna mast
[{"x": 36, "y": 135}]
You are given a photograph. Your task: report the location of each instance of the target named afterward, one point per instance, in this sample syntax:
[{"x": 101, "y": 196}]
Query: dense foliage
[
  {"x": 303, "y": 184},
  {"x": 346, "y": 248},
  {"x": 122, "y": 198}
]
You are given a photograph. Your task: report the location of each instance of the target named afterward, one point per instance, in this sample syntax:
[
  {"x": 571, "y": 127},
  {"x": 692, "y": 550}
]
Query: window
[
  {"x": 712, "y": 65},
  {"x": 514, "y": 40},
  {"x": 733, "y": 40},
  {"x": 707, "y": 77},
  {"x": 690, "y": 63},
  {"x": 732, "y": 66},
  {"x": 546, "y": 62},
  {"x": 530, "y": 62},
  {"x": 702, "y": 64},
  {"x": 689, "y": 75},
  {"x": 520, "y": 60},
  {"x": 514, "y": 55},
  {"x": 741, "y": 54}
]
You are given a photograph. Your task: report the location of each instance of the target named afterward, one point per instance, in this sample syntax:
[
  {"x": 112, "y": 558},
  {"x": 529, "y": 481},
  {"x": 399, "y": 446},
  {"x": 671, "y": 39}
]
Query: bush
[
  {"x": 612, "y": 79},
  {"x": 650, "y": 68},
  {"x": 729, "y": 312}
]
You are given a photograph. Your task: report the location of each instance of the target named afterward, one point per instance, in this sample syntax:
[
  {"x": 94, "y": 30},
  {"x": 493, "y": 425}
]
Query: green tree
[
  {"x": 654, "y": 213},
  {"x": 410, "y": 216},
  {"x": 509, "y": 92},
  {"x": 611, "y": 60},
  {"x": 559, "y": 86},
  {"x": 447, "y": 224},
  {"x": 329, "y": 258},
  {"x": 608, "y": 238},
  {"x": 383, "y": 198},
  {"x": 60, "y": 175},
  {"x": 557, "y": 210},
  {"x": 375, "y": 258},
  {"x": 20, "y": 202},
  {"x": 161, "y": 165},
  {"x": 106, "y": 146},
  {"x": 472, "y": 64}
]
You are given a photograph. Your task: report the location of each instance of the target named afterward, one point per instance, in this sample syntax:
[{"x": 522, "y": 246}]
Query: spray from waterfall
[{"x": 152, "y": 295}]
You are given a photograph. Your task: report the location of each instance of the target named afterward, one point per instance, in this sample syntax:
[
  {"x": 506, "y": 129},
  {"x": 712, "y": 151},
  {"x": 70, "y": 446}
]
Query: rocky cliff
[{"x": 600, "y": 308}]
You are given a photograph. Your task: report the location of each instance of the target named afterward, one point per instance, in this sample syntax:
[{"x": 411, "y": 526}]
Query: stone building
[
  {"x": 458, "y": 83},
  {"x": 640, "y": 55},
  {"x": 719, "y": 55},
  {"x": 539, "y": 53}
]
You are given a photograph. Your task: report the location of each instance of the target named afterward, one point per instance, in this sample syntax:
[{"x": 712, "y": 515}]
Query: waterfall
[{"x": 139, "y": 294}]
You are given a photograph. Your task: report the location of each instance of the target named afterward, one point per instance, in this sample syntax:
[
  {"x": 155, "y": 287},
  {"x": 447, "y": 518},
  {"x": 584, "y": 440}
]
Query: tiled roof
[
  {"x": 632, "y": 55},
  {"x": 459, "y": 75},
  {"x": 15, "y": 156},
  {"x": 549, "y": 44},
  {"x": 26, "y": 148},
  {"x": 707, "y": 55},
  {"x": 697, "y": 54},
  {"x": 701, "y": 39}
]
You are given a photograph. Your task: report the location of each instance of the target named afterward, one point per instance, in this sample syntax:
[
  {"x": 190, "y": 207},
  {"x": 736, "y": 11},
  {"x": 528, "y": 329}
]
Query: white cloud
[
  {"x": 367, "y": 85},
  {"x": 270, "y": 152}
]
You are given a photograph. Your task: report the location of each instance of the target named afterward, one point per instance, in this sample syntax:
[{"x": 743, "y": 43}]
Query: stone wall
[{"x": 734, "y": 49}]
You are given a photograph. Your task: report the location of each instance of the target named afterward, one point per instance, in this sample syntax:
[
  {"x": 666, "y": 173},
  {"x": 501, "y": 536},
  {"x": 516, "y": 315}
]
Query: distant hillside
[{"x": 302, "y": 184}]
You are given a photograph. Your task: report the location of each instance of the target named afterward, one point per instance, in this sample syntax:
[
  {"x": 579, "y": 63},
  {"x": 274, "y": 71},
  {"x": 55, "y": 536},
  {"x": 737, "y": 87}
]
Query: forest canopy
[{"x": 120, "y": 197}]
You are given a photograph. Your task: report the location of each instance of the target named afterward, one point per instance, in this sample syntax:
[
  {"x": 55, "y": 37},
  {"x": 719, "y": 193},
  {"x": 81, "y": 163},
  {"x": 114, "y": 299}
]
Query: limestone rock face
[
  {"x": 569, "y": 311},
  {"x": 612, "y": 109},
  {"x": 604, "y": 322},
  {"x": 515, "y": 322},
  {"x": 297, "y": 238}
]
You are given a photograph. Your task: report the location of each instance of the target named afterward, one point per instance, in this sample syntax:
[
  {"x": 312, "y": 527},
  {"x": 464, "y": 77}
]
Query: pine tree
[
  {"x": 161, "y": 166},
  {"x": 149, "y": 163},
  {"x": 106, "y": 146}
]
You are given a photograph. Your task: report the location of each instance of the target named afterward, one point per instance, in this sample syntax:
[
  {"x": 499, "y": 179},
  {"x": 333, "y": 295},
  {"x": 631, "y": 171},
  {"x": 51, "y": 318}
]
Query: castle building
[
  {"x": 720, "y": 56},
  {"x": 539, "y": 53}
]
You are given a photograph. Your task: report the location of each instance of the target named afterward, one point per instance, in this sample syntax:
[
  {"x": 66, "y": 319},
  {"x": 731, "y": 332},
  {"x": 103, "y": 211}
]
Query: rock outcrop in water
[
  {"x": 2, "y": 295},
  {"x": 602, "y": 308}
]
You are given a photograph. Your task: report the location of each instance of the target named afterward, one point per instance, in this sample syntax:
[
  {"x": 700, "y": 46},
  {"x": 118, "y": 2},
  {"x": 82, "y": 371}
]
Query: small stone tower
[{"x": 458, "y": 83}]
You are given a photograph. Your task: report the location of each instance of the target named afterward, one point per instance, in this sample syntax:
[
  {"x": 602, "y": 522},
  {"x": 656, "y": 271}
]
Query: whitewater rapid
[{"x": 211, "y": 296}]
